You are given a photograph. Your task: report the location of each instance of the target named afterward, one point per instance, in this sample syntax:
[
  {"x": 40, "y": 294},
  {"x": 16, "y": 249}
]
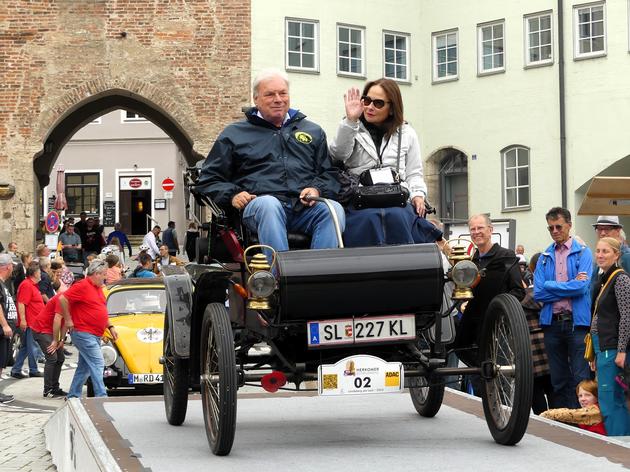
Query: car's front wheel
[
  {"x": 505, "y": 354},
  {"x": 218, "y": 379}
]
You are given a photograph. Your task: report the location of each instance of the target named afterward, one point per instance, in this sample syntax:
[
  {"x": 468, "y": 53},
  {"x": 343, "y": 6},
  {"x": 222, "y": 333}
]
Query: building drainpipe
[{"x": 563, "y": 137}]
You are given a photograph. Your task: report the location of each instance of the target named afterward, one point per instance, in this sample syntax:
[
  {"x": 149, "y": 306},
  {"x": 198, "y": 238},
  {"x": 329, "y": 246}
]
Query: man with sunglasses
[
  {"x": 266, "y": 165},
  {"x": 561, "y": 283}
]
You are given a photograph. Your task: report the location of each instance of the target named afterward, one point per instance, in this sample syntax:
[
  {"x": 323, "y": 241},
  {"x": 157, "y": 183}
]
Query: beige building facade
[{"x": 514, "y": 116}]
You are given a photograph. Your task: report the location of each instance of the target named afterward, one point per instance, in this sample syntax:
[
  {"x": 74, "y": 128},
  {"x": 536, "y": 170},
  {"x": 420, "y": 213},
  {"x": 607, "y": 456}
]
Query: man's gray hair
[
  {"x": 44, "y": 262},
  {"x": 267, "y": 74},
  {"x": 5, "y": 259},
  {"x": 97, "y": 265},
  {"x": 485, "y": 217}
]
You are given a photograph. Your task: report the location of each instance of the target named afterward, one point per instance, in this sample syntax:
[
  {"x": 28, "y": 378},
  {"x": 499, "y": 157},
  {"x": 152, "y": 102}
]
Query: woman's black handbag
[{"x": 379, "y": 195}]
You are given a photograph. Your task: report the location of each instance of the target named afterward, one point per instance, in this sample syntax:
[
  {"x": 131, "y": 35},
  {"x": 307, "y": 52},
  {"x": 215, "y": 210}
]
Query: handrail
[
  {"x": 333, "y": 215},
  {"x": 150, "y": 218}
]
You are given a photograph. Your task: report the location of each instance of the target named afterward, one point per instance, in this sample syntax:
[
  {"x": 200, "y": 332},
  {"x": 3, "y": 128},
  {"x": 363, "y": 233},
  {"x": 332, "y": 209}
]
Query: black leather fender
[{"x": 179, "y": 306}]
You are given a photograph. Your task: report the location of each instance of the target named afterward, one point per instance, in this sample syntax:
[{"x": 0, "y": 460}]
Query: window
[
  {"x": 538, "y": 43},
  {"x": 130, "y": 116},
  {"x": 82, "y": 193},
  {"x": 515, "y": 177},
  {"x": 302, "y": 38},
  {"x": 445, "y": 60},
  {"x": 350, "y": 50},
  {"x": 590, "y": 30},
  {"x": 491, "y": 45},
  {"x": 396, "y": 51}
]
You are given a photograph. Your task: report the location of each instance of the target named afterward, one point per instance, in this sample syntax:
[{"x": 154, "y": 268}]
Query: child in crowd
[
  {"x": 114, "y": 269},
  {"x": 145, "y": 267},
  {"x": 588, "y": 417}
]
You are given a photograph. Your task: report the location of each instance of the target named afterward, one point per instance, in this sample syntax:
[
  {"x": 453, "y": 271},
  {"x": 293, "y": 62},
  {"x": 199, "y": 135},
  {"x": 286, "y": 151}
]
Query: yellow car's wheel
[{"x": 218, "y": 378}]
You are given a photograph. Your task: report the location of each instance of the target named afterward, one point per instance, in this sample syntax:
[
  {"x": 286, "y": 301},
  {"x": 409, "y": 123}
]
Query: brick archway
[
  {"x": 153, "y": 104},
  {"x": 184, "y": 65}
]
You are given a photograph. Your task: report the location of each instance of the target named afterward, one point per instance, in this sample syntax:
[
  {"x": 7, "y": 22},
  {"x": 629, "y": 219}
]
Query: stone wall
[{"x": 187, "y": 60}]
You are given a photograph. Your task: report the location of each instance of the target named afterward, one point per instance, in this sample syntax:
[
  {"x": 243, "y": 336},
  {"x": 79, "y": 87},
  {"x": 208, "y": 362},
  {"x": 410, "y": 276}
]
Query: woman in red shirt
[{"x": 29, "y": 304}]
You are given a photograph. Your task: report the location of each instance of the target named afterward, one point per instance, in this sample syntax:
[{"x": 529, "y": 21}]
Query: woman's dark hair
[
  {"x": 396, "y": 111},
  {"x": 533, "y": 261}
]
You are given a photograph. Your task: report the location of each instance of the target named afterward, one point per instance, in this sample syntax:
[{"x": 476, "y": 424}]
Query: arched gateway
[{"x": 184, "y": 67}]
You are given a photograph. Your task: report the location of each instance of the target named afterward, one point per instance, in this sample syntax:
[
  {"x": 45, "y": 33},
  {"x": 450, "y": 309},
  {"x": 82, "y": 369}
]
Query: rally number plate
[
  {"x": 360, "y": 375},
  {"x": 361, "y": 330}
]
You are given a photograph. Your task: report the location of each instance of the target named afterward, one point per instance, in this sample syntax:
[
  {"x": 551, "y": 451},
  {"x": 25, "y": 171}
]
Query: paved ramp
[{"x": 289, "y": 432}]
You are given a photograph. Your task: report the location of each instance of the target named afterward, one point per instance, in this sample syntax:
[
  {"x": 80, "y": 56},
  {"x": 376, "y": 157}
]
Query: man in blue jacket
[
  {"x": 266, "y": 165},
  {"x": 561, "y": 283}
]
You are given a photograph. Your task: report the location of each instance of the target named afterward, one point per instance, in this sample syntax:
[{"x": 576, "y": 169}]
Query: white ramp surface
[{"x": 358, "y": 433}]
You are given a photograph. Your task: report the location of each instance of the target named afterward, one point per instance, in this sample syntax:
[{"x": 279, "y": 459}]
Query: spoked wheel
[
  {"x": 175, "y": 381},
  {"x": 218, "y": 379},
  {"x": 505, "y": 351},
  {"x": 427, "y": 398}
]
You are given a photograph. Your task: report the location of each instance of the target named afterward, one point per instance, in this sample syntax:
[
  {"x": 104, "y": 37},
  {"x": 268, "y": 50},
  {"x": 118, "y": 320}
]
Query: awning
[{"x": 607, "y": 196}]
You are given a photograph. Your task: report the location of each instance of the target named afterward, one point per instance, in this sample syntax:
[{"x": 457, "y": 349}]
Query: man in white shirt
[{"x": 150, "y": 239}]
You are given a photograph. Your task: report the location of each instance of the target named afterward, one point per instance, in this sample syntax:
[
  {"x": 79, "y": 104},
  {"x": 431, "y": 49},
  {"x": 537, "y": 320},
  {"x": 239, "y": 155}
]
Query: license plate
[
  {"x": 361, "y": 330},
  {"x": 360, "y": 374},
  {"x": 145, "y": 378}
]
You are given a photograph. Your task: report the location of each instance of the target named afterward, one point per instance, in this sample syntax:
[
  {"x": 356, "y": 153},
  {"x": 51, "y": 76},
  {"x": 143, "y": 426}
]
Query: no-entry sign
[{"x": 168, "y": 184}]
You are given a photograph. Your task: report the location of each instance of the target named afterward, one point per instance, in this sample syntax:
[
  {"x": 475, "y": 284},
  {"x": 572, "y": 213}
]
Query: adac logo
[{"x": 303, "y": 137}]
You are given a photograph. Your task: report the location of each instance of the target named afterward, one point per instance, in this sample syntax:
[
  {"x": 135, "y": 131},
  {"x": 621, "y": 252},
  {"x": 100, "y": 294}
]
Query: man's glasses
[
  {"x": 377, "y": 102},
  {"x": 556, "y": 227}
]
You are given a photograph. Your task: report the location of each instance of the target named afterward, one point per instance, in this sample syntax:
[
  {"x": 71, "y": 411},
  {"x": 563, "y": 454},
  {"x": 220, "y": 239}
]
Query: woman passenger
[{"x": 369, "y": 137}]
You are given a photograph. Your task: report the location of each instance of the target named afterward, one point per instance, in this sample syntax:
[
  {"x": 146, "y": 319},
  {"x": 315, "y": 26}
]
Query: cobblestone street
[{"x": 22, "y": 443}]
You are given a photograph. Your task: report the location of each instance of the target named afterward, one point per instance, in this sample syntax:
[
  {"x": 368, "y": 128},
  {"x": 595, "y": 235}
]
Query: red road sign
[
  {"x": 135, "y": 182},
  {"x": 168, "y": 184},
  {"x": 52, "y": 221}
]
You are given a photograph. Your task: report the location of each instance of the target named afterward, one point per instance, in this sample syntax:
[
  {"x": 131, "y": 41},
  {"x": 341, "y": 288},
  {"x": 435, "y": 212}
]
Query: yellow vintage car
[{"x": 136, "y": 308}]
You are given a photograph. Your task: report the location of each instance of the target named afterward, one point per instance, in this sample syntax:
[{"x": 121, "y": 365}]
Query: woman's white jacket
[{"x": 354, "y": 146}]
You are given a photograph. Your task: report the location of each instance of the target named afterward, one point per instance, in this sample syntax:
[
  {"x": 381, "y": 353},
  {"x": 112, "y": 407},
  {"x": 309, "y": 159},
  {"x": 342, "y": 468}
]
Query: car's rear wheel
[
  {"x": 175, "y": 381},
  {"x": 218, "y": 379},
  {"x": 426, "y": 397},
  {"x": 506, "y": 353}
]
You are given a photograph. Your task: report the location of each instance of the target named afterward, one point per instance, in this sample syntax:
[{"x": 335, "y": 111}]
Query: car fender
[{"x": 179, "y": 302}]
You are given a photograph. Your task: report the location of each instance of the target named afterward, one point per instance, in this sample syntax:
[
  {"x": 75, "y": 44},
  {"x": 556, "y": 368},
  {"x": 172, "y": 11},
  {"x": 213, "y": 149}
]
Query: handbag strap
[
  {"x": 601, "y": 291},
  {"x": 398, "y": 152}
]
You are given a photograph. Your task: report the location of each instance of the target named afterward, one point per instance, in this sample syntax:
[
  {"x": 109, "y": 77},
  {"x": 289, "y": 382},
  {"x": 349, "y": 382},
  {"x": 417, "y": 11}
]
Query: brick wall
[{"x": 189, "y": 59}]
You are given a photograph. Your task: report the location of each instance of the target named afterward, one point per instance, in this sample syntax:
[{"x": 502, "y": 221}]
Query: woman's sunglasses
[{"x": 377, "y": 102}]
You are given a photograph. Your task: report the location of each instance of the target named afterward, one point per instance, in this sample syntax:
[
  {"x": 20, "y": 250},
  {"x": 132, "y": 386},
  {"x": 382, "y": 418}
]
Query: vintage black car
[{"x": 360, "y": 320}]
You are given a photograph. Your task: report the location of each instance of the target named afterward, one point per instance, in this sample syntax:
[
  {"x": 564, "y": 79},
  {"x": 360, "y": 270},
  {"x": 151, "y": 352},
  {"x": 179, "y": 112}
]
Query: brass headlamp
[
  {"x": 464, "y": 273},
  {"x": 261, "y": 283}
]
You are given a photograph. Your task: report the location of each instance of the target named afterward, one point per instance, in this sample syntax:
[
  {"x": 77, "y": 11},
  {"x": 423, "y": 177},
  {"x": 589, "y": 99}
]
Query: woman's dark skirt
[{"x": 387, "y": 226}]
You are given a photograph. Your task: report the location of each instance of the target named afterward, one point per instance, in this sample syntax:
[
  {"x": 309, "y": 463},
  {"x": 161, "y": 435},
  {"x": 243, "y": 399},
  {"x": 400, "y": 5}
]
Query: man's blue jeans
[
  {"x": 271, "y": 219},
  {"x": 611, "y": 398},
  {"x": 565, "y": 350},
  {"x": 91, "y": 364},
  {"x": 28, "y": 348}
]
